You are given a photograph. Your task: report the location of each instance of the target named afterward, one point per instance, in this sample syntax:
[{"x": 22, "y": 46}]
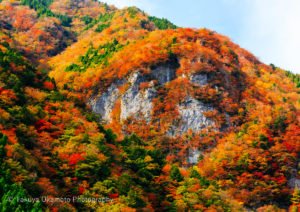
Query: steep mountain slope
[
  {"x": 43, "y": 28},
  {"x": 201, "y": 123},
  {"x": 53, "y": 148}
]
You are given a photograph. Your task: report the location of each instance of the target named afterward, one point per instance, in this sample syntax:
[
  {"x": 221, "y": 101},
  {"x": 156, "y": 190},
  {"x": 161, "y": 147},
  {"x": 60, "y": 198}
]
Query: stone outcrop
[
  {"x": 164, "y": 73},
  {"x": 193, "y": 155},
  {"x": 199, "y": 79},
  {"x": 192, "y": 115},
  {"x": 294, "y": 182},
  {"x": 135, "y": 102},
  {"x": 104, "y": 104}
]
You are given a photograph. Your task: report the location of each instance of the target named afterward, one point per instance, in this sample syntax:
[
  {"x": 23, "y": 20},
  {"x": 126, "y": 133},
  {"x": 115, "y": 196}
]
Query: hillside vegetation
[{"x": 105, "y": 103}]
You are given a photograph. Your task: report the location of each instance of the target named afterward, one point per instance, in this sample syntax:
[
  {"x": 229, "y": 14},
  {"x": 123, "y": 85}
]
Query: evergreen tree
[
  {"x": 175, "y": 174},
  {"x": 11, "y": 193}
]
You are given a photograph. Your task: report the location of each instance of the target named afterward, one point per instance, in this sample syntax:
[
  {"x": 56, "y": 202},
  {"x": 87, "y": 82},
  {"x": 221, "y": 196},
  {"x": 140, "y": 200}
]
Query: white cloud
[{"x": 272, "y": 32}]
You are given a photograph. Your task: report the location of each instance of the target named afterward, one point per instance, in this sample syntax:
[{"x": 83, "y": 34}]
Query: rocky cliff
[
  {"x": 137, "y": 102},
  {"x": 186, "y": 120}
]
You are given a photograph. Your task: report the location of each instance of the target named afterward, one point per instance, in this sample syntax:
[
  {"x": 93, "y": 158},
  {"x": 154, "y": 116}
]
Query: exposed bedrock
[
  {"x": 105, "y": 103},
  {"x": 192, "y": 115},
  {"x": 199, "y": 79},
  {"x": 135, "y": 102},
  {"x": 294, "y": 181},
  {"x": 193, "y": 155},
  {"x": 164, "y": 73}
]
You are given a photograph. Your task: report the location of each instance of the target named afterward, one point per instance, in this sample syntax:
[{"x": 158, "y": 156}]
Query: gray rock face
[
  {"x": 138, "y": 103},
  {"x": 199, "y": 79},
  {"x": 297, "y": 183},
  {"x": 104, "y": 104},
  {"x": 193, "y": 155},
  {"x": 135, "y": 102},
  {"x": 294, "y": 182},
  {"x": 164, "y": 74},
  {"x": 192, "y": 115}
]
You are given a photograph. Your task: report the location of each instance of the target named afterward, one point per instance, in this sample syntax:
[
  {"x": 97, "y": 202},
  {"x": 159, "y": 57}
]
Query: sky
[{"x": 269, "y": 29}]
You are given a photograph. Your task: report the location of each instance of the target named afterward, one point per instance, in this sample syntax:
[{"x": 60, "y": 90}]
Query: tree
[
  {"x": 12, "y": 193},
  {"x": 175, "y": 174},
  {"x": 296, "y": 196},
  {"x": 135, "y": 200}
]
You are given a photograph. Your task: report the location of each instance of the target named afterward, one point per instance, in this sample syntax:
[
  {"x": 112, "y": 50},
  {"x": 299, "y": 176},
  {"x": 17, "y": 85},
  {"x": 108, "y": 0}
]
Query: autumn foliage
[{"x": 54, "y": 58}]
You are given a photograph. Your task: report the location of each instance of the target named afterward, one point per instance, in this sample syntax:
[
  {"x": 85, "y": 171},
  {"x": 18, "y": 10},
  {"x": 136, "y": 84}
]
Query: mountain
[{"x": 107, "y": 109}]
